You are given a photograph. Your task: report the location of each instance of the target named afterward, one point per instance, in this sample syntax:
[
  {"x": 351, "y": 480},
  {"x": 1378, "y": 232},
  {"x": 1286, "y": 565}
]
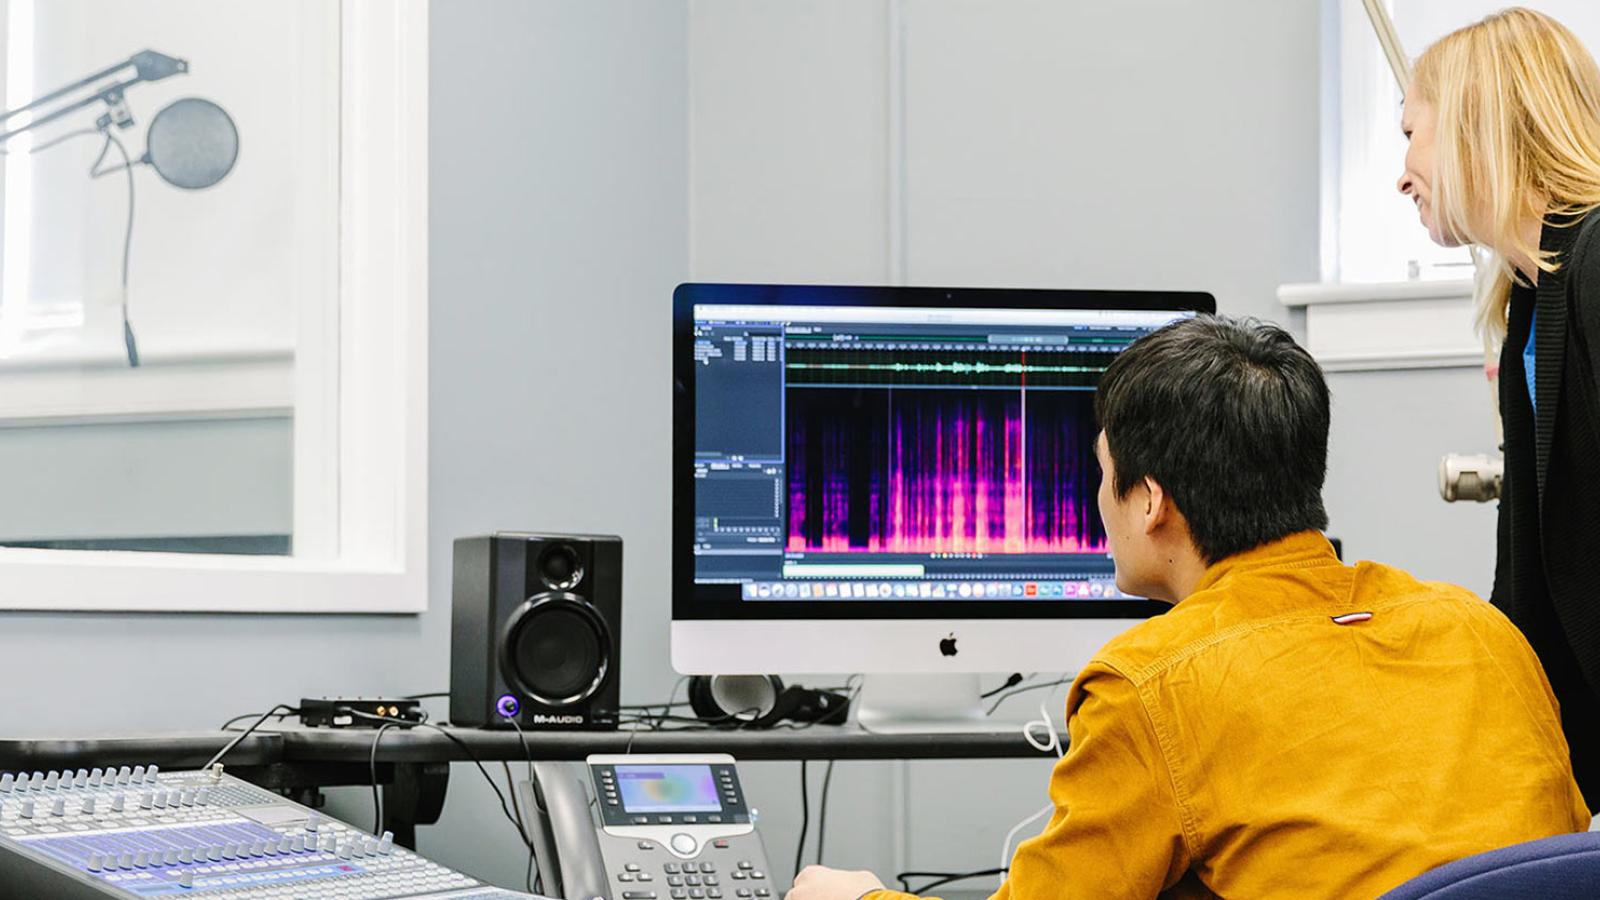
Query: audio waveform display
[
  {"x": 950, "y": 366},
  {"x": 875, "y": 470},
  {"x": 958, "y": 368}
]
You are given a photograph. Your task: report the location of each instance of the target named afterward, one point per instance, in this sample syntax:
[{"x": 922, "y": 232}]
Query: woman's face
[{"x": 1418, "y": 123}]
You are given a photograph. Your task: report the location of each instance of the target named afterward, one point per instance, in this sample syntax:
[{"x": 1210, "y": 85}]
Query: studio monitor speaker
[{"x": 536, "y": 631}]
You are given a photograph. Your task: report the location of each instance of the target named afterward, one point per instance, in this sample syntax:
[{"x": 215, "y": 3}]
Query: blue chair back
[{"x": 1564, "y": 867}]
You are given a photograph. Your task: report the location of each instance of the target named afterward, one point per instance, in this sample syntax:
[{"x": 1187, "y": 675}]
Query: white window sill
[
  {"x": 1379, "y": 327},
  {"x": 174, "y": 383}
]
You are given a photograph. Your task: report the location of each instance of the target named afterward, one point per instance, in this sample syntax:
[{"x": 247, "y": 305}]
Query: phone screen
[{"x": 668, "y": 789}]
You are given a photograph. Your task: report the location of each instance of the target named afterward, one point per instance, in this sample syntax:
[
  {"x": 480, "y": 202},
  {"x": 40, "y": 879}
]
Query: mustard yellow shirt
[{"x": 1248, "y": 745}]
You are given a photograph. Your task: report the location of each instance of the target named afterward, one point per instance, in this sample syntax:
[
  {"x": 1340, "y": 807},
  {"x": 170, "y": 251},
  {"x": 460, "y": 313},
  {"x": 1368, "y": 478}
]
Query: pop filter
[{"x": 192, "y": 143}]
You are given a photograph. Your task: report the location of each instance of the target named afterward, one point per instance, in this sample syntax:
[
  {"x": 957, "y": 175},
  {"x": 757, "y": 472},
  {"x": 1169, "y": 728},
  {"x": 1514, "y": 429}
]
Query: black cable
[
  {"x": 527, "y": 751},
  {"x": 822, "y": 809},
  {"x": 505, "y": 808},
  {"x": 805, "y": 817},
  {"x": 128, "y": 340},
  {"x": 288, "y": 710},
  {"x": 940, "y": 878},
  {"x": 1023, "y": 690},
  {"x": 372, "y": 766},
  {"x": 428, "y": 696},
  {"x": 281, "y": 716},
  {"x": 1012, "y": 681}
]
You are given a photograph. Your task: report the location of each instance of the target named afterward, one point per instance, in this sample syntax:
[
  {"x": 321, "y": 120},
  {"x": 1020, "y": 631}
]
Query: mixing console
[{"x": 141, "y": 832}]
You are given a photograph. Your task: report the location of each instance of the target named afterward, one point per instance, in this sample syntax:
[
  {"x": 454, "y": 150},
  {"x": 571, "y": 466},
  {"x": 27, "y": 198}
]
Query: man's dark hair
[{"x": 1230, "y": 417}]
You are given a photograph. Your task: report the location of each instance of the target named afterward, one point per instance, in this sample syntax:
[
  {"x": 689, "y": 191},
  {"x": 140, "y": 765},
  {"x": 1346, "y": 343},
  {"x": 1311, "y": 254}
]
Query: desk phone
[{"x": 647, "y": 827}]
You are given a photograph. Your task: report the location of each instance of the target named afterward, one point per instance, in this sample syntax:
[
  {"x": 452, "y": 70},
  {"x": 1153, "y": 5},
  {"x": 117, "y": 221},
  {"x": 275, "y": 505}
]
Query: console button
[{"x": 685, "y": 844}]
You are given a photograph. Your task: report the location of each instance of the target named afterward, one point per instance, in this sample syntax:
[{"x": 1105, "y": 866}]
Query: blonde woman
[{"x": 1503, "y": 117}]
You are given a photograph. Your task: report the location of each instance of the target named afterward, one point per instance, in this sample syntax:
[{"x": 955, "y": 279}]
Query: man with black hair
[{"x": 1292, "y": 727}]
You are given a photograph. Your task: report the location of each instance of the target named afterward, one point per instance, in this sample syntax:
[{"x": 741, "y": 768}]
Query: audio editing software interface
[{"x": 858, "y": 453}]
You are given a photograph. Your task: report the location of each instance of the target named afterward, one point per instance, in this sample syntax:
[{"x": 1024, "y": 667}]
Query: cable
[
  {"x": 428, "y": 696},
  {"x": 805, "y": 817},
  {"x": 1005, "y": 848},
  {"x": 505, "y": 807},
  {"x": 1011, "y": 682},
  {"x": 281, "y": 716},
  {"x": 288, "y": 710},
  {"x": 1023, "y": 690},
  {"x": 62, "y": 139},
  {"x": 372, "y": 766},
  {"x": 822, "y": 810},
  {"x": 941, "y": 878},
  {"x": 95, "y": 171},
  {"x": 527, "y": 751}
]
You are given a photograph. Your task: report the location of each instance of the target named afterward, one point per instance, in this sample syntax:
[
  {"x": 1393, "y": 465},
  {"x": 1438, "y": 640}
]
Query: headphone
[{"x": 761, "y": 701}]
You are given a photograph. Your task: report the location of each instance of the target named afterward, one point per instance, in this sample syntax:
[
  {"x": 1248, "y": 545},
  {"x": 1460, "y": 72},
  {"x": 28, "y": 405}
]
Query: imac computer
[{"x": 895, "y": 481}]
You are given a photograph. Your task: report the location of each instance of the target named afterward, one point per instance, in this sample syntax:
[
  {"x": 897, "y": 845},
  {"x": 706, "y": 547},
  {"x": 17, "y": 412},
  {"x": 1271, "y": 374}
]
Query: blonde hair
[{"x": 1518, "y": 103}]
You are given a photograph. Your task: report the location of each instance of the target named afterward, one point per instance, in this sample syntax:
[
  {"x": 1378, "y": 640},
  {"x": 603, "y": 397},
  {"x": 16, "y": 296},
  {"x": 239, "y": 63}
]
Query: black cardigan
[{"x": 1547, "y": 573}]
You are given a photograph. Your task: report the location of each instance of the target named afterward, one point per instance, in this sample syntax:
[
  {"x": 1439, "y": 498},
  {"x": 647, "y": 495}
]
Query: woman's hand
[{"x": 823, "y": 883}]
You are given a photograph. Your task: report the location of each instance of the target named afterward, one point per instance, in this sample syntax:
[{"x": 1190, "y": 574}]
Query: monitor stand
[{"x": 927, "y": 704}]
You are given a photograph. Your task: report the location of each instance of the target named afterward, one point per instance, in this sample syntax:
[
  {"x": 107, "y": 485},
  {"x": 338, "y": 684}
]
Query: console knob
[
  {"x": 59, "y": 807},
  {"x": 186, "y": 855},
  {"x": 81, "y": 778},
  {"x": 386, "y": 843},
  {"x": 313, "y": 822},
  {"x": 284, "y": 845},
  {"x": 95, "y": 775},
  {"x": 186, "y": 879},
  {"x": 201, "y": 796},
  {"x": 123, "y": 774},
  {"x": 117, "y": 802},
  {"x": 141, "y": 859},
  {"x": 125, "y": 860},
  {"x": 50, "y": 781},
  {"x": 152, "y": 773},
  {"x": 7, "y": 782},
  {"x": 88, "y": 806},
  {"x": 95, "y": 860},
  {"x": 214, "y": 852},
  {"x": 170, "y": 857},
  {"x": 146, "y": 800},
  {"x": 138, "y": 774},
  {"x": 298, "y": 843},
  {"x": 27, "y": 808}
]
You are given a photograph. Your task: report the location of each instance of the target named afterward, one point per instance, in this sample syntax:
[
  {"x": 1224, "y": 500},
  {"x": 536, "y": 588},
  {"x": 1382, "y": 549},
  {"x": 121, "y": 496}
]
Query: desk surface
[
  {"x": 290, "y": 746},
  {"x": 818, "y": 742}
]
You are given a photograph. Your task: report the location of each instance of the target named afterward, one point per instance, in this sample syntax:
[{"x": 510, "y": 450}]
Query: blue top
[{"x": 1528, "y": 358}]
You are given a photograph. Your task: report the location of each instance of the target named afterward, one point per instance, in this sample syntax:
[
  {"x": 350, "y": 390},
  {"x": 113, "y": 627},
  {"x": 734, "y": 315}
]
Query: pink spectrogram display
[{"x": 880, "y": 470}]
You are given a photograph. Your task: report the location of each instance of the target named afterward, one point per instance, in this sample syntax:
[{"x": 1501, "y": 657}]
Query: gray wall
[{"x": 561, "y": 194}]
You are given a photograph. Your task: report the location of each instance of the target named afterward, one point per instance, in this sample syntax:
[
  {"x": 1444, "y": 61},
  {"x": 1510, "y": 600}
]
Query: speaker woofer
[{"x": 556, "y": 649}]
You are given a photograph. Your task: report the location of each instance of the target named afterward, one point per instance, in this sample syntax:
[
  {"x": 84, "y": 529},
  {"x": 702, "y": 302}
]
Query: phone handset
[{"x": 563, "y": 830}]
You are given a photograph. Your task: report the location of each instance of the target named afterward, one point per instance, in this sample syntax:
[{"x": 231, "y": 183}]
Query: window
[
  {"x": 1373, "y": 235},
  {"x": 280, "y": 315}
]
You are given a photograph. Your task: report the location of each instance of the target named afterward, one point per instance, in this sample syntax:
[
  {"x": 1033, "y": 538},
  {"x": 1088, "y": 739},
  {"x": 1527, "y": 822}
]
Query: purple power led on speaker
[{"x": 507, "y": 705}]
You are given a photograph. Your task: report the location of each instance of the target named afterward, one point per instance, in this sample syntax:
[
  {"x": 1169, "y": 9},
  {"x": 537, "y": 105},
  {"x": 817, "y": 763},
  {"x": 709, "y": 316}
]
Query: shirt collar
[{"x": 1302, "y": 548}]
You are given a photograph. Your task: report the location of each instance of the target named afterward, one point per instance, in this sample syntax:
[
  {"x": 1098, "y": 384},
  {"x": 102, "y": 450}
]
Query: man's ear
[{"x": 1159, "y": 509}]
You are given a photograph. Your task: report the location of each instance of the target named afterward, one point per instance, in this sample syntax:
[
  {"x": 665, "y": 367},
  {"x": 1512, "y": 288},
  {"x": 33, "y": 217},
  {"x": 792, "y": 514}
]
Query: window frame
[{"x": 358, "y": 389}]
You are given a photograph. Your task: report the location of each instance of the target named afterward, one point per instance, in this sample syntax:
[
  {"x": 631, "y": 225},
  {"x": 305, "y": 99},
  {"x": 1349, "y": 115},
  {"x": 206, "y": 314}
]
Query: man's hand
[{"x": 823, "y": 883}]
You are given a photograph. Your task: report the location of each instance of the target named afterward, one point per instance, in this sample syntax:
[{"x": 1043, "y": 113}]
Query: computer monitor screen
[{"x": 883, "y": 453}]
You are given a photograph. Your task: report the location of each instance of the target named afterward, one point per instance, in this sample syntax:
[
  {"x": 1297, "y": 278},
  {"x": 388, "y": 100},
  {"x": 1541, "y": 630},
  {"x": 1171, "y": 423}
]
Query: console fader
[{"x": 141, "y": 833}]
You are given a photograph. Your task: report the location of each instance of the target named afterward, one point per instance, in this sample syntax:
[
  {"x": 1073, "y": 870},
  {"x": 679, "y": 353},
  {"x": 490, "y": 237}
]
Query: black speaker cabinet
[{"x": 536, "y": 631}]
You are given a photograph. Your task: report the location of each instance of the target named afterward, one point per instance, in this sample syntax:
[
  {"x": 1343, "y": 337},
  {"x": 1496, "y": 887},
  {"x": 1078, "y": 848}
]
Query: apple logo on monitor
[{"x": 947, "y": 646}]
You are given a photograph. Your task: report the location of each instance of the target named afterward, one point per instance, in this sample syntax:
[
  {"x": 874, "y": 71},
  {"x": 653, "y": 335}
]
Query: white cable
[{"x": 1043, "y": 746}]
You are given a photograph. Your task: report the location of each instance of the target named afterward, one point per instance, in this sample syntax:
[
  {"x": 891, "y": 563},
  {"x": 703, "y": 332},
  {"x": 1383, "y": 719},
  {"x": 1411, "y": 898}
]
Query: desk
[{"x": 414, "y": 764}]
